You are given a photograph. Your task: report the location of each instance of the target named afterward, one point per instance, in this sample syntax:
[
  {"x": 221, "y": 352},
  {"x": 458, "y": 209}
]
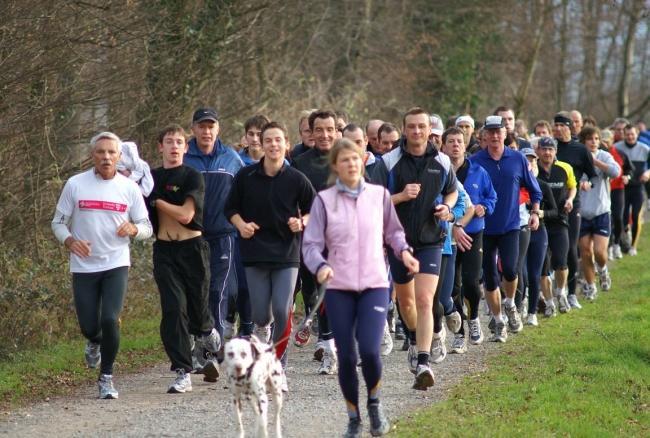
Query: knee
[
  {"x": 109, "y": 323},
  {"x": 424, "y": 300}
]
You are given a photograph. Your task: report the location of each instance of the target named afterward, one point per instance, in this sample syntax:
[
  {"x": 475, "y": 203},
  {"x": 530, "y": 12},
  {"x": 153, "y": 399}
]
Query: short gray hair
[{"x": 103, "y": 136}]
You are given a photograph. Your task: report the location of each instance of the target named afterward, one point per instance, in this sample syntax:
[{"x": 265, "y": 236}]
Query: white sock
[
  {"x": 330, "y": 345},
  {"x": 508, "y": 302},
  {"x": 549, "y": 301}
]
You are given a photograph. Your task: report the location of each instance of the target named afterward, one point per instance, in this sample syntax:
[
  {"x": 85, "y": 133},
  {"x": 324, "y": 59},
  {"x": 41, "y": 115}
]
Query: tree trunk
[{"x": 628, "y": 57}]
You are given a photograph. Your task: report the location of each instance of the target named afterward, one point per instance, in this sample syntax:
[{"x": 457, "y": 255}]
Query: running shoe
[
  {"x": 459, "y": 345},
  {"x": 210, "y": 371},
  {"x": 563, "y": 303},
  {"x": 412, "y": 358},
  {"x": 106, "y": 389},
  {"x": 320, "y": 350},
  {"x": 181, "y": 384},
  {"x": 491, "y": 324},
  {"x": 500, "y": 332},
  {"x": 618, "y": 253},
  {"x": 302, "y": 336},
  {"x": 589, "y": 291},
  {"x": 263, "y": 333},
  {"x": 514, "y": 320},
  {"x": 355, "y": 428},
  {"x": 573, "y": 302},
  {"x": 379, "y": 424},
  {"x": 92, "y": 354},
  {"x": 475, "y": 332},
  {"x": 329, "y": 365},
  {"x": 605, "y": 280},
  {"x": 387, "y": 341},
  {"x": 532, "y": 320},
  {"x": 524, "y": 307},
  {"x": 229, "y": 330},
  {"x": 438, "y": 346},
  {"x": 399, "y": 332},
  {"x": 454, "y": 321},
  {"x": 423, "y": 378},
  {"x": 550, "y": 310},
  {"x": 211, "y": 341}
]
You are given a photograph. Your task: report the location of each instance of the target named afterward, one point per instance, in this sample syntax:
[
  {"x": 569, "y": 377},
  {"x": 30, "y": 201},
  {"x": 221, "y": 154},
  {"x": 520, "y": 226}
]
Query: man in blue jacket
[
  {"x": 218, "y": 164},
  {"x": 509, "y": 171}
]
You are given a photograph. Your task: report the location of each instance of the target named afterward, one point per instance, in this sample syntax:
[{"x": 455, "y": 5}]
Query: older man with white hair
[{"x": 98, "y": 212}]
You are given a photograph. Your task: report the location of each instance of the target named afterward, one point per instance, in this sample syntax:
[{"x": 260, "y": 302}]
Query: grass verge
[
  {"x": 586, "y": 373},
  {"x": 58, "y": 370}
]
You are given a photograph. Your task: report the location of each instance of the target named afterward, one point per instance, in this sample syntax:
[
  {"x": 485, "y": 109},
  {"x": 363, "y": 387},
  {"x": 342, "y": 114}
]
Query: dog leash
[{"x": 321, "y": 297}]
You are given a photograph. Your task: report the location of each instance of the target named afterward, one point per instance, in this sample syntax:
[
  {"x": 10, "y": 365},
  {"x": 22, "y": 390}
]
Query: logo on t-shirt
[
  {"x": 172, "y": 188},
  {"x": 85, "y": 204}
]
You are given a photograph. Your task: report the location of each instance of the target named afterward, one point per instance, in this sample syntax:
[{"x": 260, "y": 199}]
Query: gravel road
[{"x": 313, "y": 408}]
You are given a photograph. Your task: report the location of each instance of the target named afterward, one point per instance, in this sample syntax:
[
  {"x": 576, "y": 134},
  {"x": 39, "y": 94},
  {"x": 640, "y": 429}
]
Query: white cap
[
  {"x": 437, "y": 126},
  {"x": 465, "y": 118}
]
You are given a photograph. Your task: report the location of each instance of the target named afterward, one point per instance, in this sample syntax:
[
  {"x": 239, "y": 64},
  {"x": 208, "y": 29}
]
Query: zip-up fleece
[
  {"x": 398, "y": 168},
  {"x": 354, "y": 232},
  {"x": 218, "y": 169}
]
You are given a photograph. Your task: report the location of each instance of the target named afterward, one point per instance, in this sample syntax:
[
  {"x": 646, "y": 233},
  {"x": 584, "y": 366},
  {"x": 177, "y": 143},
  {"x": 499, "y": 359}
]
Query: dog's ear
[{"x": 257, "y": 346}]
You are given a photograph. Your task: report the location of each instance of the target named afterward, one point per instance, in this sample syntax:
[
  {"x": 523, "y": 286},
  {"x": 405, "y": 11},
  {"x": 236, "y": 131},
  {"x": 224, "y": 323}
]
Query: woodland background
[{"x": 71, "y": 68}]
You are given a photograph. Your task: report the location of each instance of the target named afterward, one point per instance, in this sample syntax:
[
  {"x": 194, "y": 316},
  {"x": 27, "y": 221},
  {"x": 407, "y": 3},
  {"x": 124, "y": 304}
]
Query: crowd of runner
[{"x": 390, "y": 231}]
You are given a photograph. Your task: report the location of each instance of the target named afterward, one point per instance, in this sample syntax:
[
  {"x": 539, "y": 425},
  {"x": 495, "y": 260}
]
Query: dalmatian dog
[{"x": 253, "y": 370}]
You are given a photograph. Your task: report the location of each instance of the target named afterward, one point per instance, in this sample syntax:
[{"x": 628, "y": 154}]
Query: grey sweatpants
[{"x": 271, "y": 293}]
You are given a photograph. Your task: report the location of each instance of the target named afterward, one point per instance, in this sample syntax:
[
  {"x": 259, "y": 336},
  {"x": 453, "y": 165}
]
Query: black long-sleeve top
[{"x": 270, "y": 201}]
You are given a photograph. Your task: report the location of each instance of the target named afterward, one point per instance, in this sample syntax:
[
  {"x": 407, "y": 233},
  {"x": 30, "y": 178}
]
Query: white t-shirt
[{"x": 95, "y": 208}]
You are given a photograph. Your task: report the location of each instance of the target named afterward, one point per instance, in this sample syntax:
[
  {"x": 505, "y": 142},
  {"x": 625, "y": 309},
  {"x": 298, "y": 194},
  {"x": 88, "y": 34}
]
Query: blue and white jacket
[
  {"x": 481, "y": 191},
  {"x": 218, "y": 169}
]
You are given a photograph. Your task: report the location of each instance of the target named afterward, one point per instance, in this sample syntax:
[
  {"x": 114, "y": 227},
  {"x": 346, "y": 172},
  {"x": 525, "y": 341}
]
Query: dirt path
[{"x": 313, "y": 408}]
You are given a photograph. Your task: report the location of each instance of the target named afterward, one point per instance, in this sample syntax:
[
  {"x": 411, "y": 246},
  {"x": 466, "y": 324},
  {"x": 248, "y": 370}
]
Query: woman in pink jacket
[{"x": 350, "y": 222}]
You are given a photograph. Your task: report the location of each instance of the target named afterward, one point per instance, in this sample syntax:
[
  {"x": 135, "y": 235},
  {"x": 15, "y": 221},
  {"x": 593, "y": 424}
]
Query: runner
[
  {"x": 559, "y": 176},
  {"x": 97, "y": 212},
  {"x": 388, "y": 136},
  {"x": 372, "y": 128},
  {"x": 468, "y": 234},
  {"x": 351, "y": 215},
  {"x": 269, "y": 205},
  {"x": 181, "y": 260},
  {"x": 537, "y": 248},
  {"x": 639, "y": 155},
  {"x": 596, "y": 205},
  {"x": 419, "y": 177},
  {"x": 315, "y": 165},
  {"x": 306, "y": 137},
  {"x": 508, "y": 170},
  {"x": 575, "y": 154}
]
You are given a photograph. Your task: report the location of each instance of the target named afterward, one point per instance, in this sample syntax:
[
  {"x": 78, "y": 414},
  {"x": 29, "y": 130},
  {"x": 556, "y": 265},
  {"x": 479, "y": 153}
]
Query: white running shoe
[
  {"x": 423, "y": 378},
  {"x": 454, "y": 321},
  {"x": 412, "y": 358},
  {"x": 514, "y": 319},
  {"x": 181, "y": 384},
  {"x": 573, "y": 302},
  {"x": 211, "y": 341},
  {"x": 92, "y": 354},
  {"x": 532, "y": 320},
  {"x": 329, "y": 365},
  {"x": 500, "y": 332},
  {"x": 459, "y": 344},
  {"x": 604, "y": 279},
  {"x": 475, "y": 332},
  {"x": 106, "y": 389},
  {"x": 387, "y": 341},
  {"x": 550, "y": 310},
  {"x": 438, "y": 346},
  {"x": 263, "y": 333},
  {"x": 618, "y": 254},
  {"x": 563, "y": 303}
]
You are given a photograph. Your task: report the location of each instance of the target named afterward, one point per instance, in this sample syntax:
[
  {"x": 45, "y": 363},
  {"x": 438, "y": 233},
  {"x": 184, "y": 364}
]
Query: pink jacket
[{"x": 354, "y": 232}]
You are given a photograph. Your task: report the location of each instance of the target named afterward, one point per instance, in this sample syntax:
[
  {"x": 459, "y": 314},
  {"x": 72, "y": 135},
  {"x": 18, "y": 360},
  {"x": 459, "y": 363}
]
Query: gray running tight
[{"x": 271, "y": 293}]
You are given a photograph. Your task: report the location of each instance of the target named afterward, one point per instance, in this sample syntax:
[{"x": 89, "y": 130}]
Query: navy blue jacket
[{"x": 218, "y": 169}]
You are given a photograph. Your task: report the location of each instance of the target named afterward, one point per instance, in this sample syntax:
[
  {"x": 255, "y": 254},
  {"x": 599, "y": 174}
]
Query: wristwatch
[{"x": 459, "y": 225}]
